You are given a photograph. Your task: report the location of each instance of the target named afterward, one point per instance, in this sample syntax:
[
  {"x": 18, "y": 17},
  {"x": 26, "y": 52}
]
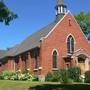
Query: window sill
[
  {"x": 40, "y": 68},
  {"x": 36, "y": 69},
  {"x": 55, "y": 69}
]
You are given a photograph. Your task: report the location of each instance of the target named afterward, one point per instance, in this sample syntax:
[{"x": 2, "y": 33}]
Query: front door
[{"x": 81, "y": 63}]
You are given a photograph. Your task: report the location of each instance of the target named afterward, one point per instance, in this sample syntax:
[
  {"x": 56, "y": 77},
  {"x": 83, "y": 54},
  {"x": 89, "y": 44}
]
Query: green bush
[
  {"x": 49, "y": 77},
  {"x": 74, "y": 73},
  {"x": 14, "y": 77},
  {"x": 87, "y": 76},
  {"x": 64, "y": 76},
  {"x": 35, "y": 78},
  {"x": 58, "y": 76},
  {"x": 1, "y": 77},
  {"x": 53, "y": 76},
  {"x": 6, "y": 75},
  {"x": 9, "y": 75}
]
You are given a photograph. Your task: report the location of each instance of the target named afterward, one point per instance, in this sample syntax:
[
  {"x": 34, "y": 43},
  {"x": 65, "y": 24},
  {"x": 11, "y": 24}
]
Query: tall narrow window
[
  {"x": 26, "y": 61},
  {"x": 54, "y": 62},
  {"x": 70, "y": 44},
  {"x": 36, "y": 62}
]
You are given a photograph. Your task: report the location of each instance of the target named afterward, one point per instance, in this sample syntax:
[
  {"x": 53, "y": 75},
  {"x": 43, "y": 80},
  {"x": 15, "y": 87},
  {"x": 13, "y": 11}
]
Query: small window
[
  {"x": 70, "y": 44},
  {"x": 69, "y": 22},
  {"x": 54, "y": 62}
]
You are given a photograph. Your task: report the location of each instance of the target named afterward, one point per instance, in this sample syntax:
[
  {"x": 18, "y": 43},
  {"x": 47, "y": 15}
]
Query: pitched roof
[
  {"x": 9, "y": 52},
  {"x": 30, "y": 42},
  {"x": 34, "y": 40},
  {"x": 2, "y": 53}
]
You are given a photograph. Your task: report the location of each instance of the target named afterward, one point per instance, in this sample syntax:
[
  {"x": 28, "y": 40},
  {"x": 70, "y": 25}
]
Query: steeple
[{"x": 61, "y": 9}]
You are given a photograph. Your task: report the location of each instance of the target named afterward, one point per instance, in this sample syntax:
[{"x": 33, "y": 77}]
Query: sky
[{"x": 32, "y": 16}]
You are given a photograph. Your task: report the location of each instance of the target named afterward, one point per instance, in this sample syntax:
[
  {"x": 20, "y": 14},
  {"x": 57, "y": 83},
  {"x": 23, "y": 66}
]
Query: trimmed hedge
[{"x": 62, "y": 87}]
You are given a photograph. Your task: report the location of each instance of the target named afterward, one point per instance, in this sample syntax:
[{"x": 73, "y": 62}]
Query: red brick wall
[
  {"x": 11, "y": 65},
  {"x": 57, "y": 40}
]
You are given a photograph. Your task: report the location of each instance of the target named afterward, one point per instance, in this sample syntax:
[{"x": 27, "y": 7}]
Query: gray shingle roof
[
  {"x": 34, "y": 40},
  {"x": 2, "y": 52},
  {"x": 29, "y": 43},
  {"x": 9, "y": 52}
]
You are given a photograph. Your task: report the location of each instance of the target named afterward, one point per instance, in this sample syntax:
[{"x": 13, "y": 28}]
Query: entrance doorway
[{"x": 81, "y": 63}]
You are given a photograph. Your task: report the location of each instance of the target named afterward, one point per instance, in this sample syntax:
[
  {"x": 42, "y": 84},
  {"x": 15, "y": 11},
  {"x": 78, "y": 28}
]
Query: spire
[{"x": 61, "y": 9}]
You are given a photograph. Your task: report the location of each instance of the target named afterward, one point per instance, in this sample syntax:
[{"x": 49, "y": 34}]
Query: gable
[
  {"x": 73, "y": 21},
  {"x": 65, "y": 27}
]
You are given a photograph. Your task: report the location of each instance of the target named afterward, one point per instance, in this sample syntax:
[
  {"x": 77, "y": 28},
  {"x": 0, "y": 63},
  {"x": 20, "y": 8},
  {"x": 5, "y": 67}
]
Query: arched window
[
  {"x": 54, "y": 62},
  {"x": 70, "y": 44}
]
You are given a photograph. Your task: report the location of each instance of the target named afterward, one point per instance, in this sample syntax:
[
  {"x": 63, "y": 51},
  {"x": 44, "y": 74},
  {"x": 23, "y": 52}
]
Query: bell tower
[{"x": 61, "y": 9}]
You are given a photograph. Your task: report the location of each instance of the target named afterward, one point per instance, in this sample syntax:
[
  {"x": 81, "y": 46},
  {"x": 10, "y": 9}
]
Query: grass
[
  {"x": 25, "y": 85},
  {"x": 20, "y": 85}
]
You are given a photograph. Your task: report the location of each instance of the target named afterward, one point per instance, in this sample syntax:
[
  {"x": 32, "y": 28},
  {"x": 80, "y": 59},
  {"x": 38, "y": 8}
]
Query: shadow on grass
[{"x": 62, "y": 87}]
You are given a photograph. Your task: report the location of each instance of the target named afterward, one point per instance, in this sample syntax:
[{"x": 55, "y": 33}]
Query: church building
[{"x": 61, "y": 44}]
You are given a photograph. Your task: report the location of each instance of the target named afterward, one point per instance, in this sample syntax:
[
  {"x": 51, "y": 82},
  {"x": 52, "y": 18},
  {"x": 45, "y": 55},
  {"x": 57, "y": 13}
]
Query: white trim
[
  {"x": 40, "y": 68},
  {"x": 80, "y": 28},
  {"x": 56, "y": 51},
  {"x": 80, "y": 49},
  {"x": 70, "y": 44},
  {"x": 72, "y": 36},
  {"x": 61, "y": 9},
  {"x": 36, "y": 69},
  {"x": 61, "y": 21},
  {"x": 82, "y": 54},
  {"x": 55, "y": 26},
  {"x": 54, "y": 69}
]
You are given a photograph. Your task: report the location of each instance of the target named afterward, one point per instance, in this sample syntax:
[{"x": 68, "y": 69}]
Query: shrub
[
  {"x": 14, "y": 77},
  {"x": 74, "y": 73},
  {"x": 1, "y": 77},
  {"x": 9, "y": 75},
  {"x": 35, "y": 78},
  {"x": 58, "y": 76},
  {"x": 53, "y": 76},
  {"x": 6, "y": 75},
  {"x": 87, "y": 76},
  {"x": 64, "y": 76},
  {"x": 49, "y": 77},
  {"x": 25, "y": 77}
]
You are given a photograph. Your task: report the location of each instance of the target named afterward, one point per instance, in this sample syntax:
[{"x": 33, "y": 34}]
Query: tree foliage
[
  {"x": 5, "y": 14},
  {"x": 84, "y": 21}
]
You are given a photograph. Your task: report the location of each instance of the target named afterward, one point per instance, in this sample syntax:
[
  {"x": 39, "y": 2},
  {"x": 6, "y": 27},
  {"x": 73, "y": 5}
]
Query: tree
[
  {"x": 5, "y": 14},
  {"x": 84, "y": 21}
]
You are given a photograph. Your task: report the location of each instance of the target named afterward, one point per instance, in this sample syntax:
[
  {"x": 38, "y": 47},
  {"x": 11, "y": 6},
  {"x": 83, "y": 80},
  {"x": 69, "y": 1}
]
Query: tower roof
[{"x": 60, "y": 2}]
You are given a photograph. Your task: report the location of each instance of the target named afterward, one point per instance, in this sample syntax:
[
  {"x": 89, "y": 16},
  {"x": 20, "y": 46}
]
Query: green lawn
[
  {"x": 25, "y": 85},
  {"x": 17, "y": 85}
]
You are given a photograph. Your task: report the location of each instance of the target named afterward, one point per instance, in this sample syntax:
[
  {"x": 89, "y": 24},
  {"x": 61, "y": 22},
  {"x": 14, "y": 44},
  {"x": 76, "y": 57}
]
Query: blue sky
[{"x": 33, "y": 15}]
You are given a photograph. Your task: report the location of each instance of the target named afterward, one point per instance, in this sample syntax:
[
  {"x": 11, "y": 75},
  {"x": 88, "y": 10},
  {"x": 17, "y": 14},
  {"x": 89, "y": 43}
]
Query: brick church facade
[{"x": 61, "y": 44}]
